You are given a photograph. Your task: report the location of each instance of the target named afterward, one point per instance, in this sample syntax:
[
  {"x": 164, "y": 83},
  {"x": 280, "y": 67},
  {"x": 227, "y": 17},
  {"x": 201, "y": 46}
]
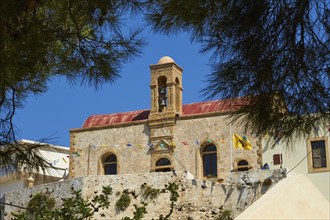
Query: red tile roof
[{"x": 199, "y": 108}]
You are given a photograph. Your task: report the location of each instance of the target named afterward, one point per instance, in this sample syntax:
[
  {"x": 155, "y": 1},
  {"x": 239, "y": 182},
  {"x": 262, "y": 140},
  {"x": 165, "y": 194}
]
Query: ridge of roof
[
  {"x": 47, "y": 145},
  {"x": 196, "y": 108}
]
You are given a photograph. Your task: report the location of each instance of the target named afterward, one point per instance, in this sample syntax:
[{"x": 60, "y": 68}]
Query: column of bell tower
[{"x": 166, "y": 99}]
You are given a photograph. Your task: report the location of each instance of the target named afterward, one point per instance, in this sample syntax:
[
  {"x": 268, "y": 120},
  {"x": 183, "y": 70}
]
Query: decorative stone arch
[
  {"x": 207, "y": 160},
  {"x": 163, "y": 148},
  {"x": 161, "y": 81},
  {"x": 177, "y": 81},
  {"x": 242, "y": 164},
  {"x": 105, "y": 160},
  {"x": 162, "y": 93},
  {"x": 178, "y": 95},
  {"x": 157, "y": 157}
]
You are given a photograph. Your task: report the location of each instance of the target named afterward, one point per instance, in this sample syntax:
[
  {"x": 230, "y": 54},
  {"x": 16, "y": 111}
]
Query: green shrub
[
  {"x": 224, "y": 215},
  {"x": 42, "y": 206},
  {"x": 148, "y": 192},
  {"x": 39, "y": 207},
  {"x": 139, "y": 212},
  {"x": 123, "y": 202}
]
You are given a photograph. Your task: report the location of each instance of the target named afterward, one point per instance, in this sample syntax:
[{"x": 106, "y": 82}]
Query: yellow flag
[{"x": 241, "y": 142}]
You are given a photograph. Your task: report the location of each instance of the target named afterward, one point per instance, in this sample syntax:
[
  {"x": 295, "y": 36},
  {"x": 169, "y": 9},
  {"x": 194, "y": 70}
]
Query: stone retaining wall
[{"x": 199, "y": 199}]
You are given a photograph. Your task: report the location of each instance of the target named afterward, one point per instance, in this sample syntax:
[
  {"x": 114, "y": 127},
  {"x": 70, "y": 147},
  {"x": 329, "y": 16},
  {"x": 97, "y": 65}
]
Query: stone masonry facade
[{"x": 130, "y": 145}]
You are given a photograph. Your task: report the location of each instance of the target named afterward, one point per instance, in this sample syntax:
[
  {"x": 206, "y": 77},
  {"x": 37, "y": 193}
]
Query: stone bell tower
[
  {"x": 166, "y": 102},
  {"x": 166, "y": 88}
]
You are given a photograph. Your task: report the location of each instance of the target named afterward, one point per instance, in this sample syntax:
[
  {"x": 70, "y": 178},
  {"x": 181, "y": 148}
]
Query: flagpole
[{"x": 231, "y": 147}]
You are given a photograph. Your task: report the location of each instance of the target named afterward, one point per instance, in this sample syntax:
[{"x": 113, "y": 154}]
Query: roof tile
[{"x": 220, "y": 106}]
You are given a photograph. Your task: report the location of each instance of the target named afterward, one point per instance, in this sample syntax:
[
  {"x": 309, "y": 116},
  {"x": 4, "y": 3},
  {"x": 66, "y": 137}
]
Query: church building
[{"x": 171, "y": 136}]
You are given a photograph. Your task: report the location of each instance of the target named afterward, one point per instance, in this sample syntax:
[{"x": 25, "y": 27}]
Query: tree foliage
[
  {"x": 81, "y": 40},
  {"x": 276, "y": 53}
]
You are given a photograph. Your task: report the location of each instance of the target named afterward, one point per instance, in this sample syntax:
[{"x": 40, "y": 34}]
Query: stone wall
[
  {"x": 91, "y": 145},
  {"x": 199, "y": 199},
  {"x": 130, "y": 144}
]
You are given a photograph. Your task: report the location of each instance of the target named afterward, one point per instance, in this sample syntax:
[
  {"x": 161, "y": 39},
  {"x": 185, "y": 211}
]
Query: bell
[
  {"x": 163, "y": 90},
  {"x": 162, "y": 102}
]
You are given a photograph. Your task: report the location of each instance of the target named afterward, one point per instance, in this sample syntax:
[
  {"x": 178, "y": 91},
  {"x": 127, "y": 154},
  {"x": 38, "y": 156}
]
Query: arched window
[
  {"x": 163, "y": 165},
  {"x": 209, "y": 156},
  {"x": 242, "y": 165},
  {"x": 110, "y": 165}
]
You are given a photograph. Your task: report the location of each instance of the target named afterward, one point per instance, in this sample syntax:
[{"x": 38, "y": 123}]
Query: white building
[
  {"x": 308, "y": 155},
  {"x": 58, "y": 156}
]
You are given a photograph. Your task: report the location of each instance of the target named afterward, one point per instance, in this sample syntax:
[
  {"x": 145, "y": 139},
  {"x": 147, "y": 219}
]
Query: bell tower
[{"x": 166, "y": 99}]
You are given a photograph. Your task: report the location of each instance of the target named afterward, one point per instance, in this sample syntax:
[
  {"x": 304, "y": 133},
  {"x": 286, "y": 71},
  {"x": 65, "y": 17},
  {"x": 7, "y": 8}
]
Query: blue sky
[{"x": 64, "y": 107}]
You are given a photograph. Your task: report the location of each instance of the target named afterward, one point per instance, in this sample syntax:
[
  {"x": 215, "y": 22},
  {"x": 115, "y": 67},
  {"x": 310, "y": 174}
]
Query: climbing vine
[
  {"x": 173, "y": 188},
  {"x": 42, "y": 206},
  {"x": 139, "y": 212}
]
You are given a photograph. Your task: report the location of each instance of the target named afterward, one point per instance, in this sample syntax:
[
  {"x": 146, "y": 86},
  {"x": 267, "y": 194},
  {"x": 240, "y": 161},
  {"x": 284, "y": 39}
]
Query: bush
[
  {"x": 224, "y": 215},
  {"x": 148, "y": 192},
  {"x": 42, "y": 206},
  {"x": 123, "y": 202}
]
